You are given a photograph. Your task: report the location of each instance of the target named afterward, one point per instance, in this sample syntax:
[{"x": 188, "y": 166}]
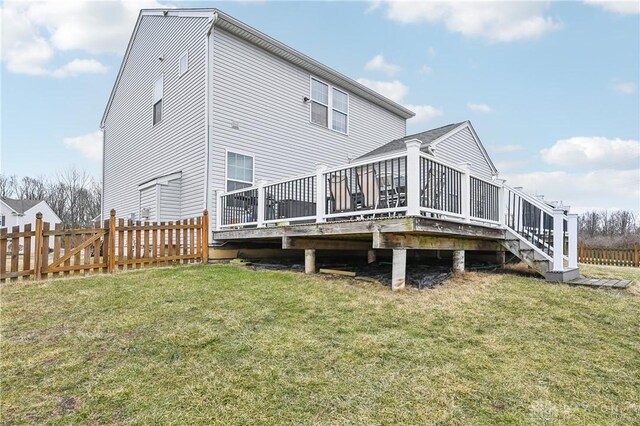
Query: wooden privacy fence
[
  {"x": 39, "y": 251},
  {"x": 610, "y": 256}
]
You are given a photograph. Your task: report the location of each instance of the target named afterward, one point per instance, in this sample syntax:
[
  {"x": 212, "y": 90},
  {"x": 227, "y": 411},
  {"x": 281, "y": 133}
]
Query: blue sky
[{"x": 551, "y": 88}]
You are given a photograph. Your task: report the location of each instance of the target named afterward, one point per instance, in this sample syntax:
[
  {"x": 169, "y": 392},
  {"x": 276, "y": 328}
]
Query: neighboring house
[{"x": 20, "y": 212}]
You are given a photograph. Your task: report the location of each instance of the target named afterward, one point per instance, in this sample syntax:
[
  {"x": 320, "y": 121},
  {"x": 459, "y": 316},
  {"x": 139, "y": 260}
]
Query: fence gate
[{"x": 107, "y": 247}]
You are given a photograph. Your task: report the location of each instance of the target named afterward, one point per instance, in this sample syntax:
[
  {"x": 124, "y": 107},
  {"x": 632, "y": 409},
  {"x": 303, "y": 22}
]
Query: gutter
[{"x": 207, "y": 94}]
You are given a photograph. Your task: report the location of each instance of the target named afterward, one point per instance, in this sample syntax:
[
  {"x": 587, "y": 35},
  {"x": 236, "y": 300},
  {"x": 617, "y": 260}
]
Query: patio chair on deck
[
  {"x": 341, "y": 200},
  {"x": 369, "y": 188}
]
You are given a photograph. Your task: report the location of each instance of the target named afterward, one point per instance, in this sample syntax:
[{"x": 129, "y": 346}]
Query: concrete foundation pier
[
  {"x": 458, "y": 261},
  {"x": 399, "y": 271},
  {"x": 309, "y": 261}
]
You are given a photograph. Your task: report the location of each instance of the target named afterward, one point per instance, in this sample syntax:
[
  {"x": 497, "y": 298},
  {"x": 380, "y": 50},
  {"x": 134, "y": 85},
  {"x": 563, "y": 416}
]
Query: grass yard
[{"x": 226, "y": 345}]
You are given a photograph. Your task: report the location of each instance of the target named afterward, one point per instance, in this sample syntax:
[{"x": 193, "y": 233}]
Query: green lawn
[{"x": 225, "y": 345}]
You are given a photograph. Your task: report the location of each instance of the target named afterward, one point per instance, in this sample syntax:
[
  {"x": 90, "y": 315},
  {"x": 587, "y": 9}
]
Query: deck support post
[
  {"x": 458, "y": 261},
  {"x": 413, "y": 177},
  {"x": 466, "y": 191},
  {"x": 371, "y": 256},
  {"x": 501, "y": 258},
  {"x": 309, "y": 261},
  {"x": 321, "y": 193},
  {"x": 558, "y": 239},
  {"x": 572, "y": 229},
  {"x": 399, "y": 271}
]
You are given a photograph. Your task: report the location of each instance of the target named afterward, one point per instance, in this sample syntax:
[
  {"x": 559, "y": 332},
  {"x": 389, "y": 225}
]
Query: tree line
[
  {"x": 74, "y": 195},
  {"x": 603, "y": 228}
]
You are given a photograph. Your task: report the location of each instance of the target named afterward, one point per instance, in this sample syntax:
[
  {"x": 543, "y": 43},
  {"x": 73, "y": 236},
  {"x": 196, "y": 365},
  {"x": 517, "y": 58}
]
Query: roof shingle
[{"x": 19, "y": 206}]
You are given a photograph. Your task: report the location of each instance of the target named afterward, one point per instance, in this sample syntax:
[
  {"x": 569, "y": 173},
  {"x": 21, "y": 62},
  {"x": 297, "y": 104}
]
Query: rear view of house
[{"x": 209, "y": 113}]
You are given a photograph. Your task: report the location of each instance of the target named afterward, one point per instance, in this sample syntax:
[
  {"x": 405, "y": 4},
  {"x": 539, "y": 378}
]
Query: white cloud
[
  {"x": 628, "y": 7},
  {"x": 377, "y": 63},
  {"x": 593, "y": 152},
  {"x": 89, "y": 145},
  {"x": 79, "y": 66},
  {"x": 425, "y": 69},
  {"x": 397, "y": 91},
  {"x": 505, "y": 148},
  {"x": 34, "y": 33},
  {"x": 595, "y": 189},
  {"x": 625, "y": 87},
  {"x": 394, "y": 90},
  {"x": 432, "y": 51},
  {"x": 479, "y": 107},
  {"x": 424, "y": 112},
  {"x": 494, "y": 21}
]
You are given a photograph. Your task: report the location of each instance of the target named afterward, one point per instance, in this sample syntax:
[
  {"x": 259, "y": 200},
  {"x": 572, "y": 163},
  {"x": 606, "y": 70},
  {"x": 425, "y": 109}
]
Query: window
[
  {"x": 329, "y": 106},
  {"x": 239, "y": 171},
  {"x": 183, "y": 63},
  {"x": 157, "y": 100}
]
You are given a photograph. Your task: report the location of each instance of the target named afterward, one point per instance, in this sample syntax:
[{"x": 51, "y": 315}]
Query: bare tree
[
  {"x": 31, "y": 188},
  {"x": 8, "y": 185}
]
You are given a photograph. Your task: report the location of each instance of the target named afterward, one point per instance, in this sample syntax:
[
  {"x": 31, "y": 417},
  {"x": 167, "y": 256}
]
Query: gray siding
[
  {"x": 264, "y": 95},
  {"x": 170, "y": 200},
  {"x": 462, "y": 147},
  {"x": 149, "y": 200},
  {"x": 135, "y": 150}
]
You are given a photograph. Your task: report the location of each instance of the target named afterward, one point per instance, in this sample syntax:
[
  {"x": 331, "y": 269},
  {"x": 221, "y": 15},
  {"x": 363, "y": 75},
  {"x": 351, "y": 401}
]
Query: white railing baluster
[
  {"x": 572, "y": 229},
  {"x": 218, "y": 209},
  {"x": 413, "y": 177},
  {"x": 558, "y": 239},
  {"x": 501, "y": 200},
  {"x": 321, "y": 193},
  {"x": 261, "y": 203},
  {"x": 466, "y": 191}
]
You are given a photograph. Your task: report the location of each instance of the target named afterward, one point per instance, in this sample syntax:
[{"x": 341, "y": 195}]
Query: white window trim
[
  {"x": 226, "y": 167},
  {"x": 330, "y": 107},
  {"x": 153, "y": 101},
  {"x": 186, "y": 53}
]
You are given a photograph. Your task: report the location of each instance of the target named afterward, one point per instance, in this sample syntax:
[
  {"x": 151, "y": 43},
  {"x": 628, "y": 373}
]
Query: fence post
[
  {"x": 558, "y": 239},
  {"x": 321, "y": 193},
  {"x": 572, "y": 229},
  {"x": 636, "y": 255},
  {"x": 466, "y": 191},
  {"x": 261, "y": 203},
  {"x": 205, "y": 236},
  {"x": 112, "y": 241},
  {"x": 37, "y": 260},
  {"x": 413, "y": 177}
]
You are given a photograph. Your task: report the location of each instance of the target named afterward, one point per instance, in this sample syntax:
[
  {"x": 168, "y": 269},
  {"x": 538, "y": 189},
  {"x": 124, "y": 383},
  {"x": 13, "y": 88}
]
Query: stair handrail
[{"x": 533, "y": 200}]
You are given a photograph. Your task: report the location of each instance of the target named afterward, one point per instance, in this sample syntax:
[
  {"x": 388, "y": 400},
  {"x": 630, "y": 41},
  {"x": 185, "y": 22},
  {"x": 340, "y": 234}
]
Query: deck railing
[{"x": 410, "y": 183}]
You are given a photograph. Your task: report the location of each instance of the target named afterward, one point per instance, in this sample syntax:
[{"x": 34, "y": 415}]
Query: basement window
[{"x": 158, "y": 89}]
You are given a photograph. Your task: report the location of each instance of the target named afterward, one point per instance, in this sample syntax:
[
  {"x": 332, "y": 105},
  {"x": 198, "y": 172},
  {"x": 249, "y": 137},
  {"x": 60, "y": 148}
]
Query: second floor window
[
  {"x": 158, "y": 90},
  {"x": 329, "y": 106}
]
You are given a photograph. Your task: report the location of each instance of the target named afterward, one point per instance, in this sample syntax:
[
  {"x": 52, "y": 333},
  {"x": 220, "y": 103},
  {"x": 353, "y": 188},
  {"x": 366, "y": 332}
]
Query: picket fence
[
  {"x": 41, "y": 252},
  {"x": 610, "y": 256}
]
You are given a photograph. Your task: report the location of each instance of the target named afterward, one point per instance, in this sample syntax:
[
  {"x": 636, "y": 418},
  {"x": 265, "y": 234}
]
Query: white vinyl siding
[
  {"x": 169, "y": 201},
  {"x": 135, "y": 151},
  {"x": 264, "y": 95},
  {"x": 462, "y": 147},
  {"x": 149, "y": 203}
]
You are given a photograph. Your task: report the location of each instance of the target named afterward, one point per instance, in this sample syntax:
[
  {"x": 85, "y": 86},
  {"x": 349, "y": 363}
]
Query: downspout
[
  {"x": 206, "y": 110},
  {"x": 104, "y": 138}
]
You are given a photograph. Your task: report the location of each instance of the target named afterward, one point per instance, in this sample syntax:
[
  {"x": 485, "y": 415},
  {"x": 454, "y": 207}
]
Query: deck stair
[{"x": 533, "y": 229}]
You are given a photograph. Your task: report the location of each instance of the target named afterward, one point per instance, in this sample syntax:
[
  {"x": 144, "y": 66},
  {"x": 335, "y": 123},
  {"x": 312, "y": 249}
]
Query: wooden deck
[{"x": 377, "y": 233}]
